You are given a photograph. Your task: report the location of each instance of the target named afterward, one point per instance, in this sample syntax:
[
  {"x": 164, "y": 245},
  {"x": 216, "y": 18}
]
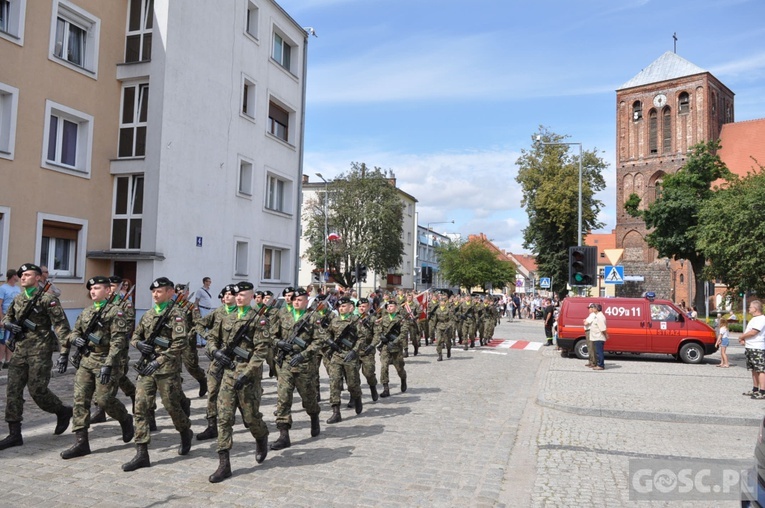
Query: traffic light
[
  {"x": 582, "y": 266},
  {"x": 316, "y": 277},
  {"x": 426, "y": 275},
  {"x": 361, "y": 270}
]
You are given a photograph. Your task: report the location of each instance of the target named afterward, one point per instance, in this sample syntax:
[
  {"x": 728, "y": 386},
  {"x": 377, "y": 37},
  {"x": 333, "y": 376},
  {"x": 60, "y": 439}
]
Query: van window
[{"x": 663, "y": 313}]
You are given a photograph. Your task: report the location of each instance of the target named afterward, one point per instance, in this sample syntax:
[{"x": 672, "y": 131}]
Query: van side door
[
  {"x": 668, "y": 328},
  {"x": 627, "y": 325}
]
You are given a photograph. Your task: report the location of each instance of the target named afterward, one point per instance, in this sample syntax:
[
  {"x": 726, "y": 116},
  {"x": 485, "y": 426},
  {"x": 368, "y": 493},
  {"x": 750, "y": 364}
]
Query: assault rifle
[
  {"x": 390, "y": 337},
  {"x": 299, "y": 329},
  {"x": 124, "y": 299},
  {"x": 90, "y": 336},
  {"x": 234, "y": 348},
  {"x": 23, "y": 322},
  {"x": 411, "y": 317},
  {"x": 154, "y": 338}
]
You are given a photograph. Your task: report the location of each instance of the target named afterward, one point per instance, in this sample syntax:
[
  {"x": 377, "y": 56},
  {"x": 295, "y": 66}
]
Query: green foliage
[
  {"x": 473, "y": 264},
  {"x": 549, "y": 177},
  {"x": 366, "y": 211}
]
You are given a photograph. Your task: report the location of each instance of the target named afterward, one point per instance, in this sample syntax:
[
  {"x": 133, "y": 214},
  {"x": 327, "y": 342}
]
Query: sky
[{"x": 446, "y": 94}]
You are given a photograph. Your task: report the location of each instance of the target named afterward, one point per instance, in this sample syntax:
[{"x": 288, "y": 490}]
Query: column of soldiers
[{"x": 242, "y": 334}]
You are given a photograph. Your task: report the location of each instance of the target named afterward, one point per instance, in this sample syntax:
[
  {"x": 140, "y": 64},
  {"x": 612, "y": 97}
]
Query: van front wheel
[
  {"x": 581, "y": 351},
  {"x": 691, "y": 353}
]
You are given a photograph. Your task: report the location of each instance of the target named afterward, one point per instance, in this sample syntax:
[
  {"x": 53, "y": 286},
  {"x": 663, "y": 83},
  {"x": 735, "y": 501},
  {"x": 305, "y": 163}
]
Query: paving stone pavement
[{"x": 486, "y": 428}]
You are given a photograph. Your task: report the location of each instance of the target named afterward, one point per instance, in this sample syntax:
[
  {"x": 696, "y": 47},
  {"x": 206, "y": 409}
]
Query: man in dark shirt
[{"x": 547, "y": 316}]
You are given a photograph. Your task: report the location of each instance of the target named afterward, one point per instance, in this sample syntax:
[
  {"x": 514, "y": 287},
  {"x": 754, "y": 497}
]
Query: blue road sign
[
  {"x": 544, "y": 282},
  {"x": 613, "y": 274}
]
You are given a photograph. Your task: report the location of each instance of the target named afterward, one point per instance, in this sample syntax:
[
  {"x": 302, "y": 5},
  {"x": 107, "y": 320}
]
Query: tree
[
  {"x": 729, "y": 233},
  {"x": 549, "y": 177},
  {"x": 473, "y": 264},
  {"x": 674, "y": 215},
  {"x": 364, "y": 209}
]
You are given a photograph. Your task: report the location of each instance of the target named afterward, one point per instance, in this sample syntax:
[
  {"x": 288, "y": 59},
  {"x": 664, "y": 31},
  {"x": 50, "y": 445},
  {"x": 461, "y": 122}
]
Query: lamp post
[
  {"x": 430, "y": 247},
  {"x": 579, "y": 219},
  {"x": 326, "y": 225}
]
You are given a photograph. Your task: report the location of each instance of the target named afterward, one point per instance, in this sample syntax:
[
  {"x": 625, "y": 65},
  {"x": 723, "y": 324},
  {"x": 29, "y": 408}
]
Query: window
[
  {"x": 251, "y": 20},
  {"x": 666, "y": 131},
  {"x": 653, "y": 135},
  {"x": 74, "y": 37},
  {"x": 61, "y": 245},
  {"x": 282, "y": 51},
  {"x": 9, "y": 104},
  {"x": 140, "y": 23},
  {"x": 684, "y": 103},
  {"x": 244, "y": 185},
  {"x": 409, "y": 238},
  {"x": 241, "y": 258},
  {"x": 272, "y": 263},
  {"x": 67, "y": 140},
  {"x": 637, "y": 111},
  {"x": 278, "y": 121},
  {"x": 275, "y": 198},
  {"x": 127, "y": 212},
  {"x": 248, "y": 98},
  {"x": 133, "y": 121},
  {"x": 12, "y": 13}
]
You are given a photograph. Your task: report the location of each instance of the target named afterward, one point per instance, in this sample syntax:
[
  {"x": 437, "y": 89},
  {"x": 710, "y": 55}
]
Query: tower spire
[{"x": 674, "y": 37}]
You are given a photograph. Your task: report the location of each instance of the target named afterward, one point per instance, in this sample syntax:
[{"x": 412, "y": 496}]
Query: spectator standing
[
  {"x": 8, "y": 292},
  {"x": 53, "y": 289},
  {"x": 548, "y": 316},
  {"x": 593, "y": 309},
  {"x": 722, "y": 342},
  {"x": 598, "y": 336},
  {"x": 205, "y": 302},
  {"x": 753, "y": 340}
]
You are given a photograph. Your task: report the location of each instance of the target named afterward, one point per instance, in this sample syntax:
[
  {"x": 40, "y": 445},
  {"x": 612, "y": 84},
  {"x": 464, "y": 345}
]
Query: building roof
[
  {"x": 529, "y": 263},
  {"x": 481, "y": 237},
  {"x": 668, "y": 66},
  {"x": 602, "y": 241},
  {"x": 740, "y": 142}
]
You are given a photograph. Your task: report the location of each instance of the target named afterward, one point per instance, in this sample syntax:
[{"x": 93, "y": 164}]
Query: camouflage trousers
[
  {"x": 443, "y": 337},
  {"x": 213, "y": 391},
  {"x": 248, "y": 399},
  {"x": 488, "y": 329},
  {"x": 88, "y": 388},
  {"x": 191, "y": 359},
  {"x": 339, "y": 368},
  {"x": 303, "y": 378},
  {"x": 395, "y": 358},
  {"x": 33, "y": 372},
  {"x": 468, "y": 330},
  {"x": 425, "y": 328},
  {"x": 367, "y": 364},
  {"x": 170, "y": 389}
]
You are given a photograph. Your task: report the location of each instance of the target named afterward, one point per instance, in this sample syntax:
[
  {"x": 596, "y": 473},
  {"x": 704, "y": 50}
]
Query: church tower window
[
  {"x": 666, "y": 131},
  {"x": 637, "y": 111},
  {"x": 653, "y": 132},
  {"x": 684, "y": 103}
]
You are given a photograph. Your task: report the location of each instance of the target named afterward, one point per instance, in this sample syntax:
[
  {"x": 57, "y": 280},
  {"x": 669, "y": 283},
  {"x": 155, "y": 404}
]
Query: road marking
[{"x": 515, "y": 344}]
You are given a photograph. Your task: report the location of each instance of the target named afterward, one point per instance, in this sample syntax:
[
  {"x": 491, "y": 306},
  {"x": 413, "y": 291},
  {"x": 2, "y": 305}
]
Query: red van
[{"x": 637, "y": 325}]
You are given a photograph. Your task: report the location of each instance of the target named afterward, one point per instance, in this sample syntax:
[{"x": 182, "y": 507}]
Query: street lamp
[
  {"x": 326, "y": 225},
  {"x": 579, "y": 219}
]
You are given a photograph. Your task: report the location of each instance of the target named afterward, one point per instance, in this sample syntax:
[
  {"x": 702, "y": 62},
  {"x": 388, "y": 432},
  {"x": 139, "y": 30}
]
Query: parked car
[{"x": 637, "y": 325}]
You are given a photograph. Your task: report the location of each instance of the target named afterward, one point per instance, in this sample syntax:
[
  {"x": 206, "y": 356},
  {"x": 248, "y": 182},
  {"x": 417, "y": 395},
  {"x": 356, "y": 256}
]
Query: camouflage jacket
[
  {"x": 281, "y": 328},
  {"x": 112, "y": 330},
  {"x": 337, "y": 327},
  {"x": 255, "y": 343},
  {"x": 48, "y": 316},
  {"x": 174, "y": 331},
  {"x": 386, "y": 325},
  {"x": 442, "y": 317}
]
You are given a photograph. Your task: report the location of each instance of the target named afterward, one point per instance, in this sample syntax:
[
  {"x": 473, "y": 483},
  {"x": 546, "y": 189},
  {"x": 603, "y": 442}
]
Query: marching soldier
[
  {"x": 391, "y": 337},
  {"x": 239, "y": 347},
  {"x": 467, "y": 311},
  {"x": 295, "y": 367},
  {"x": 100, "y": 335},
  {"x": 211, "y": 322},
  {"x": 33, "y": 344},
  {"x": 160, "y": 336},
  {"x": 442, "y": 319},
  {"x": 190, "y": 354},
  {"x": 366, "y": 333},
  {"x": 344, "y": 349},
  {"x": 411, "y": 309},
  {"x": 259, "y": 303}
]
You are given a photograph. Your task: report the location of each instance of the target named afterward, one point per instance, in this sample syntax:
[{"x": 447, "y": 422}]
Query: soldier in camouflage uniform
[
  {"x": 366, "y": 333},
  {"x": 468, "y": 314},
  {"x": 241, "y": 360},
  {"x": 391, "y": 337},
  {"x": 296, "y": 367},
  {"x": 345, "y": 347},
  {"x": 162, "y": 374},
  {"x": 190, "y": 355},
  {"x": 100, "y": 351},
  {"x": 33, "y": 347},
  {"x": 442, "y": 319},
  {"x": 410, "y": 310},
  {"x": 211, "y": 322},
  {"x": 490, "y": 316}
]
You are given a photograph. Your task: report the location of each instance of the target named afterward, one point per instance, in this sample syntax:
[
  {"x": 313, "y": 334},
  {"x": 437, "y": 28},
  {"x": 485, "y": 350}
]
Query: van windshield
[{"x": 661, "y": 312}]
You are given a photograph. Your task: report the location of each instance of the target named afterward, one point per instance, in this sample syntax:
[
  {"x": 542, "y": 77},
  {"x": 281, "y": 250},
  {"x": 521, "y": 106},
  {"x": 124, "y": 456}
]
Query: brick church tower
[{"x": 664, "y": 110}]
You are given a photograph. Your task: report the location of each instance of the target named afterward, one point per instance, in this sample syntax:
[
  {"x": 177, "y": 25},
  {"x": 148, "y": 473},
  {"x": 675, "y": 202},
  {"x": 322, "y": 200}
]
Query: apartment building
[{"x": 151, "y": 138}]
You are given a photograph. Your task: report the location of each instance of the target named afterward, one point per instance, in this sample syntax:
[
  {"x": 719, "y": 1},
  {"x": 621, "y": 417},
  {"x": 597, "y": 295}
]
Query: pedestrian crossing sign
[{"x": 613, "y": 274}]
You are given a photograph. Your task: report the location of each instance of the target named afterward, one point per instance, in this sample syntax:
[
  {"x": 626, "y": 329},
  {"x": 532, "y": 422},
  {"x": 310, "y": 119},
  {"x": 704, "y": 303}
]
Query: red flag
[
  {"x": 422, "y": 299},
  {"x": 333, "y": 237}
]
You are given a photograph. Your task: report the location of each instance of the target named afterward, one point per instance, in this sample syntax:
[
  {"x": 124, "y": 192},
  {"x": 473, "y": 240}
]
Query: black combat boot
[
  {"x": 315, "y": 428},
  {"x": 186, "y": 437},
  {"x": 152, "y": 421},
  {"x": 406, "y": 353},
  {"x": 203, "y": 387},
  {"x": 128, "y": 430},
  {"x": 449, "y": 353},
  {"x": 140, "y": 460},
  {"x": 14, "y": 438},
  {"x": 284, "y": 436},
  {"x": 335, "y": 418},
  {"x": 472, "y": 342},
  {"x": 465, "y": 347},
  {"x": 63, "y": 416},
  {"x": 416, "y": 348},
  {"x": 261, "y": 449},
  {"x": 211, "y": 431},
  {"x": 99, "y": 416},
  {"x": 386, "y": 391},
  {"x": 186, "y": 405},
  {"x": 373, "y": 391},
  {"x": 358, "y": 405},
  {"x": 440, "y": 357},
  {"x": 403, "y": 384},
  {"x": 351, "y": 404},
  {"x": 224, "y": 468},
  {"x": 80, "y": 448}
]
